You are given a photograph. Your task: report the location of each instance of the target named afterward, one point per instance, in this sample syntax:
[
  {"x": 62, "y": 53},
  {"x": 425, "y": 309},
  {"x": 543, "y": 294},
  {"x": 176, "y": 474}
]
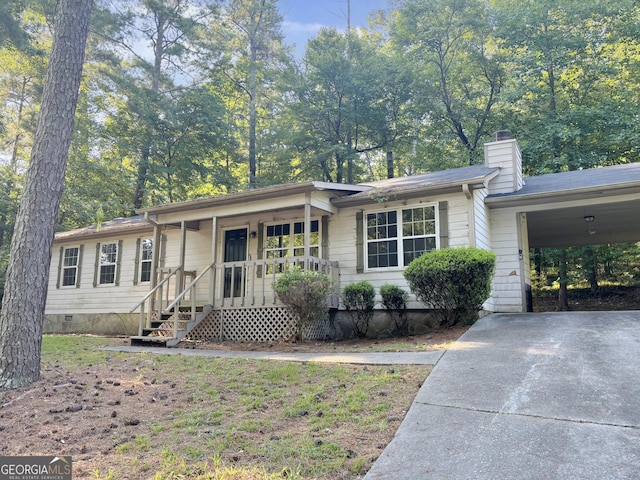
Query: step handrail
[
  {"x": 157, "y": 287},
  {"x": 149, "y": 295},
  {"x": 188, "y": 288}
]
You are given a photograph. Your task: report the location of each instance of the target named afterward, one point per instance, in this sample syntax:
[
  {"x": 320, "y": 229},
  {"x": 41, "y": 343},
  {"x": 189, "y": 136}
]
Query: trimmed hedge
[
  {"x": 304, "y": 293},
  {"x": 394, "y": 300},
  {"x": 454, "y": 282},
  {"x": 359, "y": 299}
]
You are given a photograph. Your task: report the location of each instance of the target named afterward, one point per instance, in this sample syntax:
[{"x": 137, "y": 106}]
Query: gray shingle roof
[
  {"x": 425, "y": 181},
  {"x": 565, "y": 182},
  {"x": 453, "y": 175},
  {"x": 128, "y": 224}
]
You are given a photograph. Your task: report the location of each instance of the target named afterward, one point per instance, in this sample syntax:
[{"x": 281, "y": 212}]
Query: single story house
[{"x": 205, "y": 268}]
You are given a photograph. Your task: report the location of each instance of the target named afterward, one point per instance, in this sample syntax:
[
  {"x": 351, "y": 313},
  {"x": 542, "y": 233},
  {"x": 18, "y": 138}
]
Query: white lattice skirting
[{"x": 262, "y": 324}]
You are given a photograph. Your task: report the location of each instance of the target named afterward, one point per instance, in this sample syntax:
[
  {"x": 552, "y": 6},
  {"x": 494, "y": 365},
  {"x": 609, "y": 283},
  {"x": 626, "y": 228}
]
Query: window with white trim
[
  {"x": 146, "y": 258},
  {"x": 108, "y": 263},
  {"x": 70, "y": 261},
  {"x": 395, "y": 237},
  {"x": 287, "y": 240}
]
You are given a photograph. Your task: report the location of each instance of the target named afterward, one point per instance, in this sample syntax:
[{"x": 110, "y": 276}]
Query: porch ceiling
[{"x": 612, "y": 223}]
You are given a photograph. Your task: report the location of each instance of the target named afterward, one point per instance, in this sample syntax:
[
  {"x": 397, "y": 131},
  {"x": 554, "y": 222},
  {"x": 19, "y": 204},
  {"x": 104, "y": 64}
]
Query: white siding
[
  {"x": 481, "y": 218},
  {"x": 88, "y": 299},
  {"x": 505, "y": 155},
  {"x": 497, "y": 230},
  {"x": 458, "y": 211},
  {"x": 508, "y": 282},
  {"x": 342, "y": 240},
  {"x": 199, "y": 244}
]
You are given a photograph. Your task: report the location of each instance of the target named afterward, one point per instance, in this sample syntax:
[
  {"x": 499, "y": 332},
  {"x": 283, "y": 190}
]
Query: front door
[{"x": 235, "y": 250}]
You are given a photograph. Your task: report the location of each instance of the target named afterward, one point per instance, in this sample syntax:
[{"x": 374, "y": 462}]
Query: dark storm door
[{"x": 235, "y": 250}]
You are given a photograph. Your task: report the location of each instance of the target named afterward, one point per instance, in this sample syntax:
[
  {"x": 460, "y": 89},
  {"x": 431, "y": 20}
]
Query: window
[
  {"x": 287, "y": 240},
  {"x": 146, "y": 258},
  {"x": 108, "y": 263},
  {"x": 396, "y": 237},
  {"x": 70, "y": 262}
]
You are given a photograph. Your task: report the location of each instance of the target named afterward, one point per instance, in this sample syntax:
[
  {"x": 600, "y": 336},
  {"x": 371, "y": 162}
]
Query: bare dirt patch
[{"x": 139, "y": 416}]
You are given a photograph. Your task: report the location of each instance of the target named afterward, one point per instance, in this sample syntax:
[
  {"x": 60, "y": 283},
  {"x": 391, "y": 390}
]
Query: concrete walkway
[
  {"x": 529, "y": 396},
  {"x": 367, "y": 358}
]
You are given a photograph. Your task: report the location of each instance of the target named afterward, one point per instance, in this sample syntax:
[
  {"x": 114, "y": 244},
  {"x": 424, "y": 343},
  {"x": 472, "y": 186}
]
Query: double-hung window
[
  {"x": 108, "y": 263},
  {"x": 395, "y": 237},
  {"x": 287, "y": 240},
  {"x": 70, "y": 264},
  {"x": 146, "y": 258}
]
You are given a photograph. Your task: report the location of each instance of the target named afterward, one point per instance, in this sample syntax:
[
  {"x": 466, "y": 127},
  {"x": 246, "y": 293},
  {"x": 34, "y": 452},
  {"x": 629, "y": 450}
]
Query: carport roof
[
  {"x": 583, "y": 207},
  {"x": 576, "y": 182}
]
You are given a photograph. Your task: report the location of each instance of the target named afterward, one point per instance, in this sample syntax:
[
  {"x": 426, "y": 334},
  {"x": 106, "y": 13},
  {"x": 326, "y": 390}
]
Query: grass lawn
[{"x": 142, "y": 416}]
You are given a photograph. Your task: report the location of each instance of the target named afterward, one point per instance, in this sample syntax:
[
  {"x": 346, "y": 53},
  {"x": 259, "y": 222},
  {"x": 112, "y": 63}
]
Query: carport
[{"x": 583, "y": 207}]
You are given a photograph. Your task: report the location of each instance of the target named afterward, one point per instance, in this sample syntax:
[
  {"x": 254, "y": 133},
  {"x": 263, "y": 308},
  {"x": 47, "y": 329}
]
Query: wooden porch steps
[{"x": 160, "y": 334}]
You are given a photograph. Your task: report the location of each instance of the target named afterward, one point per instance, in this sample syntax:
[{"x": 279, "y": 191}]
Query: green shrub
[
  {"x": 394, "y": 300},
  {"x": 304, "y": 293},
  {"x": 359, "y": 300},
  {"x": 454, "y": 282}
]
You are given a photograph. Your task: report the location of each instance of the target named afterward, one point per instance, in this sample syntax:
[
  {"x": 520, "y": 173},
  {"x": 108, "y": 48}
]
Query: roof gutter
[
  {"x": 466, "y": 190},
  {"x": 148, "y": 219},
  {"x": 378, "y": 195},
  {"x": 256, "y": 195},
  {"x": 520, "y": 199}
]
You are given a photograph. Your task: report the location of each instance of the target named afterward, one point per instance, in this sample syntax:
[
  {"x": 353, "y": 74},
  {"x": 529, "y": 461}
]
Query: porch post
[
  {"x": 214, "y": 250},
  {"x": 155, "y": 260},
  {"x": 155, "y": 255},
  {"x": 307, "y": 228},
  {"x": 183, "y": 246}
]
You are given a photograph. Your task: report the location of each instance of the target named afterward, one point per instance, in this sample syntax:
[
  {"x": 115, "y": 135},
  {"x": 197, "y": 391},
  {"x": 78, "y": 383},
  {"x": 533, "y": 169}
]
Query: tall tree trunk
[
  {"x": 25, "y": 295},
  {"x": 390, "y": 168},
  {"x": 563, "y": 298},
  {"x": 141, "y": 177},
  {"x": 538, "y": 259},
  {"x": 591, "y": 267},
  {"x": 142, "y": 173},
  {"x": 253, "y": 119}
]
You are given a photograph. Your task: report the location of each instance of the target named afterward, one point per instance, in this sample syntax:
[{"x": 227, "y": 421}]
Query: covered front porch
[{"x": 215, "y": 267}]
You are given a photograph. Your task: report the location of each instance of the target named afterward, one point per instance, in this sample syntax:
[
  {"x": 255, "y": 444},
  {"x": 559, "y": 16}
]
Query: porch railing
[
  {"x": 160, "y": 297},
  {"x": 229, "y": 285}
]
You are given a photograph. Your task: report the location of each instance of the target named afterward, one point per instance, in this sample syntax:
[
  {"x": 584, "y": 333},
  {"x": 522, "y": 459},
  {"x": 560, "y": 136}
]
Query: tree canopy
[{"x": 187, "y": 98}]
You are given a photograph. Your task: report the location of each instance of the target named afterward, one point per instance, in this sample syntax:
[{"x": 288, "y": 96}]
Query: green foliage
[
  {"x": 457, "y": 73},
  {"x": 429, "y": 81},
  {"x": 454, "y": 282},
  {"x": 394, "y": 300},
  {"x": 359, "y": 301},
  {"x": 349, "y": 100},
  {"x": 11, "y": 31},
  {"x": 568, "y": 97},
  {"x": 590, "y": 266},
  {"x": 304, "y": 293}
]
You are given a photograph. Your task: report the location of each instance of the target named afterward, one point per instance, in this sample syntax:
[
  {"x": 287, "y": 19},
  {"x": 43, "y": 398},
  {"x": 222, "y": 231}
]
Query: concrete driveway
[{"x": 527, "y": 396}]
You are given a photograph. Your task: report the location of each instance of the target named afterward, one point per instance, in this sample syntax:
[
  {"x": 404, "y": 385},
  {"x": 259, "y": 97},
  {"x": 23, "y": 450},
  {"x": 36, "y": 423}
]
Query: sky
[{"x": 304, "y": 18}]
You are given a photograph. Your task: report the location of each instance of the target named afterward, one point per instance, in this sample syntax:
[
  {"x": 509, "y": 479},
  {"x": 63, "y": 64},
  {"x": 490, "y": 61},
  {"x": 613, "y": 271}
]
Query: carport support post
[{"x": 525, "y": 270}]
